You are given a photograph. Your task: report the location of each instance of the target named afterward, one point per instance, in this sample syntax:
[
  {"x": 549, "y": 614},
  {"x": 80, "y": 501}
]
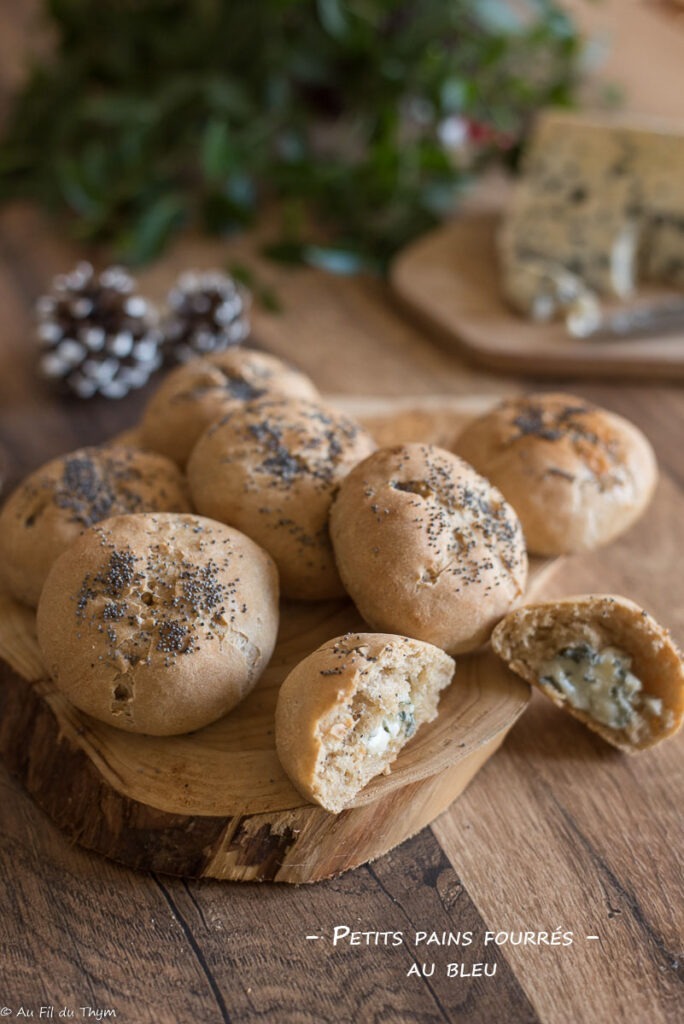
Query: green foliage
[{"x": 153, "y": 114}]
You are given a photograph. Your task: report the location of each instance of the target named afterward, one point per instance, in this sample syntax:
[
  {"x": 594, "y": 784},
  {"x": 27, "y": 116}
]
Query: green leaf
[
  {"x": 217, "y": 154},
  {"x": 153, "y": 229},
  {"x": 337, "y": 261},
  {"x": 285, "y": 252},
  {"x": 332, "y": 17},
  {"x": 266, "y": 296},
  {"x": 498, "y": 16},
  {"x": 455, "y": 94}
]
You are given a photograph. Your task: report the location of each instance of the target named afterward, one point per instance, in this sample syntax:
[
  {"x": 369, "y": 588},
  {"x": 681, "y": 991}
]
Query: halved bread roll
[
  {"x": 345, "y": 711},
  {"x": 603, "y": 659}
]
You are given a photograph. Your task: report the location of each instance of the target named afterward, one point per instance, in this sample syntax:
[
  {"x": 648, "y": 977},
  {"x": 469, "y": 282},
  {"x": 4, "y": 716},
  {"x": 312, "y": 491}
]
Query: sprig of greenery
[{"x": 153, "y": 114}]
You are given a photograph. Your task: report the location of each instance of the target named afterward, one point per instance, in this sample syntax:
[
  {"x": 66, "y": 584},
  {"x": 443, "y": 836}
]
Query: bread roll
[
  {"x": 56, "y": 503},
  {"x": 578, "y": 476},
  {"x": 271, "y": 470},
  {"x": 158, "y": 623},
  {"x": 603, "y": 659},
  {"x": 195, "y": 395},
  {"x": 345, "y": 712},
  {"x": 426, "y": 547}
]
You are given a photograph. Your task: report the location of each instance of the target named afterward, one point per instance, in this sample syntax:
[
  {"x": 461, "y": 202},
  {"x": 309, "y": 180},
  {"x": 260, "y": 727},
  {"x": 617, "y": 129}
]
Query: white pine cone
[
  {"x": 207, "y": 312},
  {"x": 97, "y": 334}
]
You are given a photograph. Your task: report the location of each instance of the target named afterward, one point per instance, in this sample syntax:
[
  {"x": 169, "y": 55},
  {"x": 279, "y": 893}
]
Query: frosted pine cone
[
  {"x": 98, "y": 335},
  {"x": 207, "y": 312}
]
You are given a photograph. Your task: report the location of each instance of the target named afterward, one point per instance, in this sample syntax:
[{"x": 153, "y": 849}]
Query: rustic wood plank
[
  {"x": 627, "y": 31},
  {"x": 192, "y": 952},
  {"x": 413, "y": 888},
  {"x": 590, "y": 844},
  {"x": 75, "y": 932}
]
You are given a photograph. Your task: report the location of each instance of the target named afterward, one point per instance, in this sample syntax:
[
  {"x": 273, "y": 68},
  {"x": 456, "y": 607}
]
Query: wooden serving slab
[
  {"x": 216, "y": 803},
  {"x": 449, "y": 279}
]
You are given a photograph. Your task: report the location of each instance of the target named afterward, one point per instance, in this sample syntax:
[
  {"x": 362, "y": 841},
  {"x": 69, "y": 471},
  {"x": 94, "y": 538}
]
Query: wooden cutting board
[
  {"x": 449, "y": 279},
  {"x": 216, "y": 803}
]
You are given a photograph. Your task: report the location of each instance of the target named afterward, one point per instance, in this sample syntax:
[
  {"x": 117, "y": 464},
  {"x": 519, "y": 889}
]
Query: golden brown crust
[
  {"x": 56, "y": 503},
  {"x": 529, "y": 636},
  {"x": 577, "y": 475},
  {"x": 327, "y": 679},
  {"x": 195, "y": 395},
  {"x": 427, "y": 547},
  {"x": 310, "y": 692},
  {"x": 158, "y": 623},
  {"x": 271, "y": 469}
]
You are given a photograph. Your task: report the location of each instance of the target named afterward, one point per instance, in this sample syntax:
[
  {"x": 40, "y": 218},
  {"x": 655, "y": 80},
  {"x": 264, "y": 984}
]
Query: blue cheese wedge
[{"x": 599, "y": 208}]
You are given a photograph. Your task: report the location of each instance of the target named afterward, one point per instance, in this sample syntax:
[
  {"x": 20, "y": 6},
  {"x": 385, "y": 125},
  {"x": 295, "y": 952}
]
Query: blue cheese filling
[
  {"x": 601, "y": 684},
  {"x": 401, "y": 724}
]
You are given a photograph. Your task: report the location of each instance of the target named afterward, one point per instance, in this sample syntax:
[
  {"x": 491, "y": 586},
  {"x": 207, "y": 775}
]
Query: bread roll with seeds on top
[
  {"x": 159, "y": 623},
  {"x": 426, "y": 547},
  {"x": 195, "y": 395},
  {"x": 577, "y": 475},
  {"x": 345, "y": 712},
  {"x": 56, "y": 503},
  {"x": 271, "y": 469},
  {"x": 603, "y": 659}
]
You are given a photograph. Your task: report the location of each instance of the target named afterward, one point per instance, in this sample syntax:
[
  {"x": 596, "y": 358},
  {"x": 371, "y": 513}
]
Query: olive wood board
[
  {"x": 449, "y": 279},
  {"x": 216, "y": 803}
]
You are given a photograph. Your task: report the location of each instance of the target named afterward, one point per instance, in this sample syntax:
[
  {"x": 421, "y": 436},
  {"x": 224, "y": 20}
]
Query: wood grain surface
[
  {"x": 556, "y": 831},
  {"x": 216, "y": 803},
  {"x": 449, "y": 279}
]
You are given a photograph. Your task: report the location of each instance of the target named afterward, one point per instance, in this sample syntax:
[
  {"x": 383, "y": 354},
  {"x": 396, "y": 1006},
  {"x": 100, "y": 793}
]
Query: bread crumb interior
[{"x": 360, "y": 738}]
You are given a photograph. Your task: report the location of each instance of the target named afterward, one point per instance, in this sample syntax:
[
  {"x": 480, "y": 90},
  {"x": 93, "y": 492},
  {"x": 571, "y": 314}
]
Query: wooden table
[{"x": 558, "y": 832}]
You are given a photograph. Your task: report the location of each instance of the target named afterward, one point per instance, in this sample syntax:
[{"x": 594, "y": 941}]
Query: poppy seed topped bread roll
[
  {"x": 195, "y": 395},
  {"x": 426, "y": 547},
  {"x": 603, "y": 659},
  {"x": 577, "y": 475},
  {"x": 271, "y": 469},
  {"x": 56, "y": 503},
  {"x": 345, "y": 711},
  {"x": 158, "y": 623}
]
